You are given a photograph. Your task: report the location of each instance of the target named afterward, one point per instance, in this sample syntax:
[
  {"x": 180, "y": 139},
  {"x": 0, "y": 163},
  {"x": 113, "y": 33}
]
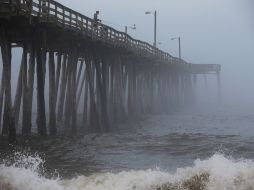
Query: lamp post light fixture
[
  {"x": 179, "y": 45},
  {"x": 131, "y": 27},
  {"x": 155, "y": 25}
]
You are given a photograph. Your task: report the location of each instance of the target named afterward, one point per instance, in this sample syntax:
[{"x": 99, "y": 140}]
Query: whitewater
[
  {"x": 215, "y": 173},
  {"x": 185, "y": 151}
]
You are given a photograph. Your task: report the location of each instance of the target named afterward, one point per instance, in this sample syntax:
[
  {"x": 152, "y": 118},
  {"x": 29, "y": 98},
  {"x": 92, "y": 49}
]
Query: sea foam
[{"x": 215, "y": 173}]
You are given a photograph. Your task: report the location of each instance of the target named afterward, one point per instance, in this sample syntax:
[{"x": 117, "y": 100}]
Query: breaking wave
[{"x": 215, "y": 173}]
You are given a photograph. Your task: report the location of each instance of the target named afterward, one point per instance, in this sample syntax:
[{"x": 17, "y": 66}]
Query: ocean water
[{"x": 194, "y": 150}]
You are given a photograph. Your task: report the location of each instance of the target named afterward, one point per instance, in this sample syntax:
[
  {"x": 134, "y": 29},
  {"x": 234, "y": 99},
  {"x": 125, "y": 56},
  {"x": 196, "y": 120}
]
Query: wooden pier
[{"x": 83, "y": 75}]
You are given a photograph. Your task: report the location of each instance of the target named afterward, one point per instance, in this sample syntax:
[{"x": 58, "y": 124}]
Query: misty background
[{"x": 211, "y": 31}]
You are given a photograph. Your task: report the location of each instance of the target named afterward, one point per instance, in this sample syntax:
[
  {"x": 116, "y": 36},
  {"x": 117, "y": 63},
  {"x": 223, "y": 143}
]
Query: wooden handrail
[{"x": 52, "y": 11}]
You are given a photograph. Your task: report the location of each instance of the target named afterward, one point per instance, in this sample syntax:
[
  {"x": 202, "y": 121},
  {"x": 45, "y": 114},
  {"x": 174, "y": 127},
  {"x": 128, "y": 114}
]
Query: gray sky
[{"x": 212, "y": 31}]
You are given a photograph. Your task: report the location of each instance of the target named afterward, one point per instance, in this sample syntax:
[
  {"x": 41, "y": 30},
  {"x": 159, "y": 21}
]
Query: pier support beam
[
  {"x": 93, "y": 113},
  {"x": 73, "y": 101},
  {"x": 67, "y": 107},
  {"x": 2, "y": 98},
  {"x": 63, "y": 85},
  {"x": 6, "y": 57},
  {"x": 18, "y": 96},
  {"x": 41, "y": 115},
  {"x": 100, "y": 74},
  {"x": 31, "y": 72},
  {"x": 27, "y": 89},
  {"x": 218, "y": 87},
  {"x": 52, "y": 94},
  {"x": 25, "y": 128},
  {"x": 86, "y": 94}
]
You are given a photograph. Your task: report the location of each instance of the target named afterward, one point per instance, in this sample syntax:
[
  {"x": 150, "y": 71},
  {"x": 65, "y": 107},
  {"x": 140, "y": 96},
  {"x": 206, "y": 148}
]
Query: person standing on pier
[{"x": 96, "y": 21}]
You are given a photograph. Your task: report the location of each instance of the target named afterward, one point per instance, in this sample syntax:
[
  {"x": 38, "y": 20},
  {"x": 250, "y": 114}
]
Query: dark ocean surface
[{"x": 188, "y": 150}]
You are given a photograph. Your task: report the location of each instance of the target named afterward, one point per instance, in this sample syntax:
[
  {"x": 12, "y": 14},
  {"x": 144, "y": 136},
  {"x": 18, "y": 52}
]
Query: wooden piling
[
  {"x": 25, "y": 128},
  {"x": 100, "y": 74},
  {"x": 5, "y": 121},
  {"x": 2, "y": 97},
  {"x": 104, "y": 94},
  {"x": 218, "y": 87},
  {"x": 6, "y": 57},
  {"x": 73, "y": 100},
  {"x": 111, "y": 92},
  {"x": 80, "y": 89},
  {"x": 79, "y": 72},
  {"x": 130, "y": 89},
  {"x": 86, "y": 94},
  {"x": 41, "y": 115},
  {"x": 30, "y": 86},
  {"x": 58, "y": 71},
  {"x": 67, "y": 115},
  {"x": 18, "y": 96},
  {"x": 63, "y": 86},
  {"x": 94, "y": 123},
  {"x": 52, "y": 95},
  {"x": 27, "y": 89}
]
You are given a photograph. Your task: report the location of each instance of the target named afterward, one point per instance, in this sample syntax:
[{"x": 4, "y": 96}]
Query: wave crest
[{"x": 214, "y": 173}]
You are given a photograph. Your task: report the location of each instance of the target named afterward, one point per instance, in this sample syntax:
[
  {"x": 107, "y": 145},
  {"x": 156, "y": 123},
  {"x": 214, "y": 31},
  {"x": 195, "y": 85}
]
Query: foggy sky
[{"x": 212, "y": 32}]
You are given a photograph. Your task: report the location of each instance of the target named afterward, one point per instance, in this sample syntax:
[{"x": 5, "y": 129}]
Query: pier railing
[{"x": 53, "y": 12}]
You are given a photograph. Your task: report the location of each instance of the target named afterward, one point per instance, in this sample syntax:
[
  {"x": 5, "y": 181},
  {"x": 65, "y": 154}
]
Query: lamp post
[
  {"x": 179, "y": 45},
  {"x": 131, "y": 27},
  {"x": 155, "y": 25}
]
